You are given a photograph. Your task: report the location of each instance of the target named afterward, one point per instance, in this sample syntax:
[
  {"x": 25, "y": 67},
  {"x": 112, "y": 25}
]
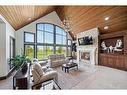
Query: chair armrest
[{"x": 38, "y": 85}]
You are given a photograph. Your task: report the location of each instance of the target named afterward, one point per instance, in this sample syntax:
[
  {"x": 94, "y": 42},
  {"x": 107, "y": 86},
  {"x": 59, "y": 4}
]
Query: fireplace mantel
[{"x": 91, "y": 50}]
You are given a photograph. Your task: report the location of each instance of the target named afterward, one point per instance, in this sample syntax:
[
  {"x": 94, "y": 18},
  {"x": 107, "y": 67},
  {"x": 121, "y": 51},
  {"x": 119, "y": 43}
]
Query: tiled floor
[{"x": 87, "y": 77}]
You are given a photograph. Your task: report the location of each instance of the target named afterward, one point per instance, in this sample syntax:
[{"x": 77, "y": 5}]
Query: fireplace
[{"x": 85, "y": 56}]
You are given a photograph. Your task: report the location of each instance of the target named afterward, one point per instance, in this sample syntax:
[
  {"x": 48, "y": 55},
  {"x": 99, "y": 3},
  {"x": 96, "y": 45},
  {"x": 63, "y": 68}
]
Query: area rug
[{"x": 74, "y": 77}]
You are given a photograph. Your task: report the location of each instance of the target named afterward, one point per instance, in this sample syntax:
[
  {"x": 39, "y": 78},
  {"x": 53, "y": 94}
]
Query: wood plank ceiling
[
  {"x": 81, "y": 17},
  {"x": 19, "y": 16},
  {"x": 86, "y": 17}
]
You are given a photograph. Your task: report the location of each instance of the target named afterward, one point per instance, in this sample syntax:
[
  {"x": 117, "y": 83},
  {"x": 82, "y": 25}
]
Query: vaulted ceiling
[
  {"x": 19, "y": 16},
  {"x": 81, "y": 17}
]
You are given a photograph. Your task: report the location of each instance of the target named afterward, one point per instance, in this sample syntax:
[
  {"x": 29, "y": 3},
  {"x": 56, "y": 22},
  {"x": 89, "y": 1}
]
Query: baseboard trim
[
  {"x": 9, "y": 73},
  {"x": 3, "y": 77}
]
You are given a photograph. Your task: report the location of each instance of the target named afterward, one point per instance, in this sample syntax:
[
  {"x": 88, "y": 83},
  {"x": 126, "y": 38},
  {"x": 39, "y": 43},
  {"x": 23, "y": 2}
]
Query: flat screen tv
[{"x": 87, "y": 40}]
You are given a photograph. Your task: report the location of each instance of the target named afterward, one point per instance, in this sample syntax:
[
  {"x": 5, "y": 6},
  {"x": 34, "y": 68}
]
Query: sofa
[{"x": 56, "y": 60}]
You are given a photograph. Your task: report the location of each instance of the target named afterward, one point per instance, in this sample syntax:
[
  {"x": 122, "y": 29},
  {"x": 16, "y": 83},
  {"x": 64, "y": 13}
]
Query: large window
[{"x": 50, "y": 39}]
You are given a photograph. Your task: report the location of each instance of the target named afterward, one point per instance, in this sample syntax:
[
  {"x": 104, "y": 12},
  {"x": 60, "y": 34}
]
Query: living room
[{"x": 63, "y": 47}]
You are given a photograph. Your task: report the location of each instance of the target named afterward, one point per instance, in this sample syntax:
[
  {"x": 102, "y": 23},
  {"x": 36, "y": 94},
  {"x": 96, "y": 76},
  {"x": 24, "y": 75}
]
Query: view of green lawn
[{"x": 43, "y": 51}]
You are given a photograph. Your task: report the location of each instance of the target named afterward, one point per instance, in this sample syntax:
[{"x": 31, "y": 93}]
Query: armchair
[{"x": 40, "y": 75}]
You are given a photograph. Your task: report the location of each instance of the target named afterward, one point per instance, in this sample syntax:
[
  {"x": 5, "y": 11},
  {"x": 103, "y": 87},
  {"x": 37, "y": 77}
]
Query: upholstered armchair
[{"x": 41, "y": 74}]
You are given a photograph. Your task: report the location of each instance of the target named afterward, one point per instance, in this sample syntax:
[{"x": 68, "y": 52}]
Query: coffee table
[{"x": 68, "y": 66}]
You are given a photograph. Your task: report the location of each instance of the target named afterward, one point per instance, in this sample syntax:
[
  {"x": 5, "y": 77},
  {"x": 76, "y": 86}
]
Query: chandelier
[{"x": 66, "y": 24}]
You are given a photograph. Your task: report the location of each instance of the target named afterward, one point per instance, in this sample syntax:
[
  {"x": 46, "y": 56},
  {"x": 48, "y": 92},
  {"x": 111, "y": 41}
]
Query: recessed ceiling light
[
  {"x": 106, "y": 27},
  {"x": 29, "y": 18},
  {"x": 107, "y": 18}
]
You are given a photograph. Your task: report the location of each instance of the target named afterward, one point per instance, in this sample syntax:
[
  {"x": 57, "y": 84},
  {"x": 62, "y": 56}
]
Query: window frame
[{"x": 29, "y": 33}]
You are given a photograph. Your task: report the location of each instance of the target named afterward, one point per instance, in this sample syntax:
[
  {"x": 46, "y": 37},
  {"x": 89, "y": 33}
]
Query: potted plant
[{"x": 18, "y": 60}]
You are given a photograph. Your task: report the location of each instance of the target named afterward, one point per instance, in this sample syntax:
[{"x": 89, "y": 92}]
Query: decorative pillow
[{"x": 38, "y": 68}]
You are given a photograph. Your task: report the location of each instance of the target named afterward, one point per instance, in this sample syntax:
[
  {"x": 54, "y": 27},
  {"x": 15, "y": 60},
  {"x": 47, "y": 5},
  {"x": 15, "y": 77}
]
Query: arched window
[{"x": 49, "y": 39}]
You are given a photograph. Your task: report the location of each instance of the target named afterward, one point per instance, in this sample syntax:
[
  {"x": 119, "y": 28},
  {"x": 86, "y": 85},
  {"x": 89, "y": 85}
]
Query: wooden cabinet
[
  {"x": 117, "y": 59},
  {"x": 22, "y": 77},
  {"x": 113, "y": 61}
]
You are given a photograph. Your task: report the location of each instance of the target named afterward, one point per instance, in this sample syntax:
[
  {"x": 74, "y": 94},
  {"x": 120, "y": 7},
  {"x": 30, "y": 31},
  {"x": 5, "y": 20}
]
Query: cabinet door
[
  {"x": 120, "y": 62},
  {"x": 110, "y": 62},
  {"x": 125, "y": 44},
  {"x": 125, "y": 62},
  {"x": 103, "y": 60}
]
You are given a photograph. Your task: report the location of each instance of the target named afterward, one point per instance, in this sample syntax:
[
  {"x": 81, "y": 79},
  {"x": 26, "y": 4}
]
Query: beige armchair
[{"x": 41, "y": 75}]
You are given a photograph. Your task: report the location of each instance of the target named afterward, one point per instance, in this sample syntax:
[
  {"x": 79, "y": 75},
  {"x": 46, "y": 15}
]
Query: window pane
[
  {"x": 49, "y": 38},
  {"x": 44, "y": 51},
  {"x": 64, "y": 50},
  {"x": 29, "y": 37},
  {"x": 29, "y": 51},
  {"x": 59, "y": 39},
  {"x": 59, "y": 30},
  {"x": 64, "y": 40},
  {"x": 49, "y": 51},
  {"x": 40, "y": 26},
  {"x": 49, "y": 28},
  {"x": 40, "y": 52},
  {"x": 40, "y": 37},
  {"x": 64, "y": 33},
  {"x": 60, "y": 50}
]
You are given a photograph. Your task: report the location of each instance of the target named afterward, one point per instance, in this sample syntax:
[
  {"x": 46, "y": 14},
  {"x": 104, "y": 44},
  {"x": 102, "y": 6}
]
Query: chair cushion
[{"x": 38, "y": 68}]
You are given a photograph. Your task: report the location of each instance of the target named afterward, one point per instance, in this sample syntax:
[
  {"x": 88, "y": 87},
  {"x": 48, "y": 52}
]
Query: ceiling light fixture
[
  {"x": 106, "y": 27},
  {"x": 66, "y": 24},
  {"x": 107, "y": 18}
]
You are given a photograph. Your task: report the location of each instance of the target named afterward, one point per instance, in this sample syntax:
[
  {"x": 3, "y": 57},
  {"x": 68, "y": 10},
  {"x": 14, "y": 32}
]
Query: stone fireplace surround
[{"x": 92, "y": 49}]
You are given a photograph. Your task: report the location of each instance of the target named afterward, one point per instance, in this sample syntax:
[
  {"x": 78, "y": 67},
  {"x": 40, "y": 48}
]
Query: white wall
[
  {"x": 2, "y": 48},
  {"x": 50, "y": 18},
  {"x": 6, "y": 30}
]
